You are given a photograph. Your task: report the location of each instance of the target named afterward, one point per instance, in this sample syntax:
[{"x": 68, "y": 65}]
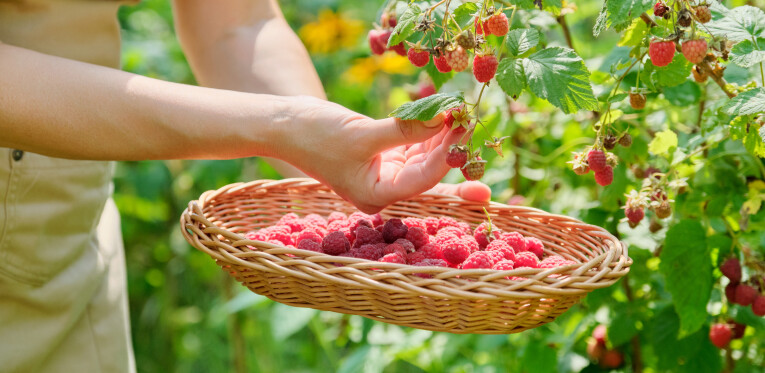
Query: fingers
[
  {"x": 391, "y": 132},
  {"x": 468, "y": 190}
]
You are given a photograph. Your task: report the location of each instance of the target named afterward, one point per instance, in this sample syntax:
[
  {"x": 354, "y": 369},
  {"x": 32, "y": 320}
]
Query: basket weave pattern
[{"x": 457, "y": 301}]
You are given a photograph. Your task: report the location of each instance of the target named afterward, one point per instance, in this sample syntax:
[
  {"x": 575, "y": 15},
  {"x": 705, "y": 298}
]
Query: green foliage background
[{"x": 187, "y": 316}]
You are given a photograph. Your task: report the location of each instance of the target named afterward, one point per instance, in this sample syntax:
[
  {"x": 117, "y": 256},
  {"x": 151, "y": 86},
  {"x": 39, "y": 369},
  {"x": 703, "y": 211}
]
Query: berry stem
[
  {"x": 566, "y": 32},
  {"x": 762, "y": 73},
  {"x": 706, "y": 67}
]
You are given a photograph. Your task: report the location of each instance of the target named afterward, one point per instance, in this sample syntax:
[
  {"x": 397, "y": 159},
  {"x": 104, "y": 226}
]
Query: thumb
[{"x": 392, "y": 132}]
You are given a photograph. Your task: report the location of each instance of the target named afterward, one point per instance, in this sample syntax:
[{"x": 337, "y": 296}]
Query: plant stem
[
  {"x": 706, "y": 67},
  {"x": 648, "y": 20},
  {"x": 566, "y": 32}
]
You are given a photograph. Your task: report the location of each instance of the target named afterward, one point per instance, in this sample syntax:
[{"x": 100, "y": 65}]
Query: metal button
[{"x": 17, "y": 154}]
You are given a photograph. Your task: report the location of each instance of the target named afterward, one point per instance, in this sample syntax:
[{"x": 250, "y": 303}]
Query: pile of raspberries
[{"x": 439, "y": 242}]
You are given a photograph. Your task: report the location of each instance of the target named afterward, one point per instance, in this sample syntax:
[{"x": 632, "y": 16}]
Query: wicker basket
[{"x": 456, "y": 301}]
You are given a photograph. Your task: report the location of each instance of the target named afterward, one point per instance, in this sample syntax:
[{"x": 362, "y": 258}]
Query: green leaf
[
  {"x": 601, "y": 22},
  {"x": 634, "y": 34},
  {"x": 436, "y": 76},
  {"x": 687, "y": 269},
  {"x": 739, "y": 24},
  {"x": 520, "y": 41},
  {"x": 464, "y": 14},
  {"x": 560, "y": 76},
  {"x": 684, "y": 94},
  {"x": 747, "y": 54},
  {"x": 428, "y": 107},
  {"x": 673, "y": 74},
  {"x": 622, "y": 12},
  {"x": 749, "y": 102},
  {"x": 286, "y": 320},
  {"x": 663, "y": 142},
  {"x": 405, "y": 25},
  {"x": 511, "y": 77}
]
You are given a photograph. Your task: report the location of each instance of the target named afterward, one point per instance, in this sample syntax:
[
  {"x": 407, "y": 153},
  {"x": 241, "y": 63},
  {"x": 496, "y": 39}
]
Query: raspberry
[
  {"x": 596, "y": 159},
  {"x": 720, "y": 335},
  {"x": 625, "y": 140},
  {"x": 425, "y": 90},
  {"x": 415, "y": 257},
  {"x": 498, "y": 24},
  {"x": 431, "y": 224},
  {"x": 484, "y": 67},
  {"x": 406, "y": 244},
  {"x": 503, "y": 265},
  {"x": 758, "y": 306},
  {"x": 599, "y": 334},
  {"x": 480, "y": 234},
  {"x": 503, "y": 248},
  {"x": 368, "y": 252},
  {"x": 366, "y": 235},
  {"x": 443, "y": 240},
  {"x": 393, "y": 230},
  {"x": 316, "y": 219},
  {"x": 335, "y": 243},
  {"x": 605, "y": 177},
  {"x": 634, "y": 214},
  {"x": 471, "y": 243},
  {"x": 637, "y": 101},
  {"x": 279, "y": 235},
  {"x": 737, "y": 328},
  {"x": 661, "y": 52},
  {"x": 481, "y": 27},
  {"x": 418, "y": 237},
  {"x": 377, "y": 220},
  {"x": 703, "y": 14},
  {"x": 414, "y": 222},
  {"x": 309, "y": 245},
  {"x": 457, "y": 156},
  {"x": 515, "y": 240},
  {"x": 526, "y": 259},
  {"x": 609, "y": 142},
  {"x": 731, "y": 269},
  {"x": 694, "y": 50},
  {"x": 394, "y": 248},
  {"x": 473, "y": 170},
  {"x": 745, "y": 294},
  {"x": 465, "y": 39},
  {"x": 456, "y": 252},
  {"x": 432, "y": 251},
  {"x": 535, "y": 245},
  {"x": 256, "y": 236},
  {"x": 595, "y": 350},
  {"x": 393, "y": 258},
  {"x": 336, "y": 216},
  {"x": 555, "y": 261},
  {"x": 478, "y": 259},
  {"x": 378, "y": 40},
  {"x": 457, "y": 58},
  {"x": 660, "y": 9},
  {"x": 612, "y": 359},
  {"x": 663, "y": 210},
  {"x": 388, "y": 20},
  {"x": 684, "y": 18},
  {"x": 730, "y": 292},
  {"x": 441, "y": 64},
  {"x": 398, "y": 48},
  {"x": 432, "y": 263},
  {"x": 308, "y": 235},
  {"x": 446, "y": 221}
]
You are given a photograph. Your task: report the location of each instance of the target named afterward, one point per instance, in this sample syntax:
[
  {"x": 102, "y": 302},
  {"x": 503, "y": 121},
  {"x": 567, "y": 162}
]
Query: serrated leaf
[
  {"x": 520, "y": 41},
  {"x": 673, "y": 74},
  {"x": 405, "y": 26},
  {"x": 560, "y": 76},
  {"x": 634, "y": 34},
  {"x": 739, "y": 24},
  {"x": 436, "y": 76},
  {"x": 622, "y": 12},
  {"x": 687, "y": 269},
  {"x": 464, "y": 14},
  {"x": 749, "y": 102},
  {"x": 662, "y": 142},
  {"x": 511, "y": 77},
  {"x": 428, "y": 107},
  {"x": 747, "y": 54},
  {"x": 601, "y": 22}
]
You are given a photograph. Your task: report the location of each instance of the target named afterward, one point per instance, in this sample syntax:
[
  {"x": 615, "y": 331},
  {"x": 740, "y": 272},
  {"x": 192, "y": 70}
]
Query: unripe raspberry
[
  {"x": 418, "y": 57},
  {"x": 457, "y": 58},
  {"x": 694, "y": 50},
  {"x": 703, "y": 14},
  {"x": 605, "y": 176},
  {"x": 663, "y": 210},
  {"x": 484, "y": 67},
  {"x": 684, "y": 18},
  {"x": 473, "y": 170},
  {"x": 720, "y": 335},
  {"x": 498, "y": 24},
  {"x": 441, "y": 64},
  {"x": 661, "y": 52},
  {"x": 637, "y": 101},
  {"x": 466, "y": 40},
  {"x": 625, "y": 140},
  {"x": 596, "y": 159}
]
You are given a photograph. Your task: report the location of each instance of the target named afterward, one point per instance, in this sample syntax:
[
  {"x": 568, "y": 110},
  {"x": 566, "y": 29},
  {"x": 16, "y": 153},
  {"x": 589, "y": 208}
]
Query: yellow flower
[
  {"x": 330, "y": 32},
  {"x": 363, "y": 70}
]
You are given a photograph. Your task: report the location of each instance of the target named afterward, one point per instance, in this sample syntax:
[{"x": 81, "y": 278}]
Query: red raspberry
[
  {"x": 720, "y": 335},
  {"x": 256, "y": 236},
  {"x": 498, "y": 24},
  {"x": 393, "y": 230},
  {"x": 431, "y": 224},
  {"x": 471, "y": 243},
  {"x": 406, "y": 244},
  {"x": 394, "y": 248},
  {"x": 479, "y": 26},
  {"x": 393, "y": 258},
  {"x": 555, "y": 261},
  {"x": 368, "y": 252},
  {"x": 731, "y": 269},
  {"x": 660, "y": 9},
  {"x": 415, "y": 257},
  {"x": 444, "y": 239},
  {"x": 703, "y": 14},
  {"x": 535, "y": 246},
  {"x": 484, "y": 67},
  {"x": 377, "y": 220},
  {"x": 526, "y": 259},
  {"x": 441, "y": 64},
  {"x": 634, "y": 214},
  {"x": 478, "y": 259},
  {"x": 432, "y": 251},
  {"x": 366, "y": 235},
  {"x": 432, "y": 263},
  {"x": 316, "y": 219},
  {"x": 399, "y": 48},
  {"x": 280, "y": 235},
  {"x": 599, "y": 334},
  {"x": 309, "y": 245},
  {"x": 335, "y": 244},
  {"x": 503, "y": 265},
  {"x": 758, "y": 306},
  {"x": 737, "y": 328},
  {"x": 661, "y": 53},
  {"x": 503, "y": 248},
  {"x": 605, "y": 177},
  {"x": 308, "y": 235},
  {"x": 426, "y": 89},
  {"x": 612, "y": 359},
  {"x": 480, "y": 234},
  {"x": 457, "y": 58},
  {"x": 446, "y": 221},
  {"x": 730, "y": 292},
  {"x": 388, "y": 20},
  {"x": 455, "y": 252},
  {"x": 515, "y": 240},
  {"x": 457, "y": 156},
  {"x": 745, "y": 294},
  {"x": 414, "y": 222},
  {"x": 596, "y": 160},
  {"x": 336, "y": 216},
  {"x": 418, "y": 237},
  {"x": 694, "y": 50},
  {"x": 378, "y": 40},
  {"x": 473, "y": 170}
]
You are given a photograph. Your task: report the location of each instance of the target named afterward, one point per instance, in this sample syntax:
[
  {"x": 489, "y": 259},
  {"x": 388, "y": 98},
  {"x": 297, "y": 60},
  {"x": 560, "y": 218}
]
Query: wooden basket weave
[{"x": 456, "y": 301}]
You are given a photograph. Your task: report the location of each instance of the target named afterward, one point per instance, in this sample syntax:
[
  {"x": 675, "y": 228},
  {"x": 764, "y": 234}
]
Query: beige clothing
[{"x": 63, "y": 294}]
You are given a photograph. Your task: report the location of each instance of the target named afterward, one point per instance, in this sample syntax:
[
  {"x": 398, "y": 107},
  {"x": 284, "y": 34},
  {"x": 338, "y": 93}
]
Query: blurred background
[{"x": 188, "y": 316}]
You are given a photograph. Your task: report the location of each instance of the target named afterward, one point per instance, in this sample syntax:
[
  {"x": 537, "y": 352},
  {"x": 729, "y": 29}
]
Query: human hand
[
  {"x": 468, "y": 190},
  {"x": 371, "y": 163}
]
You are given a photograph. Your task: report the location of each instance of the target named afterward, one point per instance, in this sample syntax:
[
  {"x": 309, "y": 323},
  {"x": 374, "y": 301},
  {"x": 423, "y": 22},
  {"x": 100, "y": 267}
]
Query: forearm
[{"x": 69, "y": 109}]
